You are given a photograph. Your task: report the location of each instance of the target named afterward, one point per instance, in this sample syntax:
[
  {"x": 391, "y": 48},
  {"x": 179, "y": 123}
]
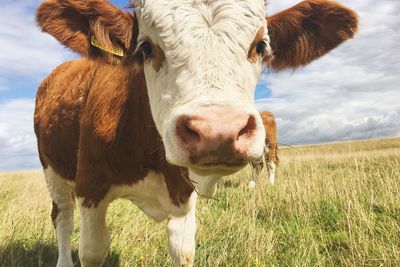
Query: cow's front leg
[
  {"x": 181, "y": 236},
  {"x": 94, "y": 235},
  {"x": 271, "y": 172},
  {"x": 256, "y": 168}
]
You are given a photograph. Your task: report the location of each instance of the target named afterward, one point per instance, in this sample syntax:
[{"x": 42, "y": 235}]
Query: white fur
[
  {"x": 94, "y": 238},
  {"x": 181, "y": 237},
  {"x": 206, "y": 186},
  {"x": 206, "y": 45},
  {"x": 62, "y": 193},
  {"x": 151, "y": 196},
  {"x": 252, "y": 185},
  {"x": 271, "y": 172}
]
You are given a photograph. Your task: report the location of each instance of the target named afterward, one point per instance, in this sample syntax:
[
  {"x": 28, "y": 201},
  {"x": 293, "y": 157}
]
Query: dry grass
[{"x": 332, "y": 205}]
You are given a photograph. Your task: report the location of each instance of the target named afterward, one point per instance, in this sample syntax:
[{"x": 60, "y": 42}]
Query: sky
[{"x": 351, "y": 93}]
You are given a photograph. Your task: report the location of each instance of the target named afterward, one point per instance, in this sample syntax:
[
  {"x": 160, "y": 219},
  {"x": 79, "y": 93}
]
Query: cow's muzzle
[{"x": 217, "y": 138}]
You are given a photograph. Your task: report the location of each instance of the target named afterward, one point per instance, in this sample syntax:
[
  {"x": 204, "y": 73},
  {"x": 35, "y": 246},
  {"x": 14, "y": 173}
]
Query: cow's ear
[
  {"x": 307, "y": 31},
  {"x": 92, "y": 28}
]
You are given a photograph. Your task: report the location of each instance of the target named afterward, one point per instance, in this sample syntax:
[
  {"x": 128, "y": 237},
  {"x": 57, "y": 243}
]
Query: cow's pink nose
[{"x": 223, "y": 134}]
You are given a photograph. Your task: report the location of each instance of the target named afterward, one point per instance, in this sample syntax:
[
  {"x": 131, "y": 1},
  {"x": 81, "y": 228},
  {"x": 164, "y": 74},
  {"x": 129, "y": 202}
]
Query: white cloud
[
  {"x": 27, "y": 54},
  {"x": 17, "y": 140},
  {"x": 25, "y": 51},
  {"x": 351, "y": 93}
]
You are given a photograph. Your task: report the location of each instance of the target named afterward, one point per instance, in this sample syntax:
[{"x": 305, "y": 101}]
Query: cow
[
  {"x": 271, "y": 153},
  {"x": 160, "y": 105}
]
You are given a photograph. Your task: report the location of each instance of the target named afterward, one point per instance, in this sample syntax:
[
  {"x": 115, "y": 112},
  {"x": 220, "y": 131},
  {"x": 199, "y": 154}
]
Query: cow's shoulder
[{"x": 60, "y": 101}]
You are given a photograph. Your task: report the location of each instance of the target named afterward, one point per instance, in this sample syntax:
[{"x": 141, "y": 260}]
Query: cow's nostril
[
  {"x": 247, "y": 130},
  {"x": 195, "y": 136},
  {"x": 186, "y": 132}
]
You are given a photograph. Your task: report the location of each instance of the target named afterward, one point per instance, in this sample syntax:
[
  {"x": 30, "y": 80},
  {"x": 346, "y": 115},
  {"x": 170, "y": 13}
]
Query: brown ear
[
  {"x": 78, "y": 24},
  {"x": 309, "y": 30}
]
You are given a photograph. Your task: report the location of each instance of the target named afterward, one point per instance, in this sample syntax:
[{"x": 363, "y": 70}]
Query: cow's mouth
[
  {"x": 224, "y": 164},
  {"x": 218, "y": 168}
]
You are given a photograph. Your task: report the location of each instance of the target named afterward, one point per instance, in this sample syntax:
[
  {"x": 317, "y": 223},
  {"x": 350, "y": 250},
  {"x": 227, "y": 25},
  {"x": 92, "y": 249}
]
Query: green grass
[{"x": 332, "y": 205}]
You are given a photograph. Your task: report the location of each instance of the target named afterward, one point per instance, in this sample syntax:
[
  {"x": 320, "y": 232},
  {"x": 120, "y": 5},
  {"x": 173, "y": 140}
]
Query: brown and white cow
[
  {"x": 271, "y": 153},
  {"x": 160, "y": 104}
]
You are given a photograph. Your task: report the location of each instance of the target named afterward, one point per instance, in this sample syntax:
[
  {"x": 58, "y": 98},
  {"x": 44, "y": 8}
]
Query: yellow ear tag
[{"x": 115, "y": 51}]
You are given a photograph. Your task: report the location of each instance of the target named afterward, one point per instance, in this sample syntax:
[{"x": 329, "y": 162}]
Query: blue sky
[{"x": 351, "y": 93}]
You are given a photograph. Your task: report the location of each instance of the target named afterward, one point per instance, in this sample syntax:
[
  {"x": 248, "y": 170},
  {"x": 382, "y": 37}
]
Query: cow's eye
[
  {"x": 147, "y": 49},
  {"x": 261, "y": 48}
]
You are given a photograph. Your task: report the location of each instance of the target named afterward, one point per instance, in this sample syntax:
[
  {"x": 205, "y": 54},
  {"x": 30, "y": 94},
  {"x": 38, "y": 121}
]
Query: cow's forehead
[{"x": 174, "y": 20}]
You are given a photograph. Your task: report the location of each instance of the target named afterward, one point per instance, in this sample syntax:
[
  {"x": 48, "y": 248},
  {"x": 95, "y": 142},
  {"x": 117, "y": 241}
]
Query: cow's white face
[{"x": 202, "y": 60}]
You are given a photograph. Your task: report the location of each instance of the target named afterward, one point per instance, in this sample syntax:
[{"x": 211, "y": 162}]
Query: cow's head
[{"x": 202, "y": 60}]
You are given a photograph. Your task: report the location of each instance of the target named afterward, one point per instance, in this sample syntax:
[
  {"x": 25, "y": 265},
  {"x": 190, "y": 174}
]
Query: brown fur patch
[
  {"x": 252, "y": 55},
  {"x": 60, "y": 100},
  {"x": 270, "y": 136},
  {"x": 158, "y": 58},
  {"x": 309, "y": 30}
]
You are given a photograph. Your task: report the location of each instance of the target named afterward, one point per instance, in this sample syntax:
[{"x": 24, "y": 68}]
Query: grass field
[{"x": 332, "y": 205}]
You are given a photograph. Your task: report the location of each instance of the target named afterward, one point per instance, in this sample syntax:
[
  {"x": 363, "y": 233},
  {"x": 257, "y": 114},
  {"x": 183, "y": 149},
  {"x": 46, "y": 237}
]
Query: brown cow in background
[{"x": 271, "y": 155}]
